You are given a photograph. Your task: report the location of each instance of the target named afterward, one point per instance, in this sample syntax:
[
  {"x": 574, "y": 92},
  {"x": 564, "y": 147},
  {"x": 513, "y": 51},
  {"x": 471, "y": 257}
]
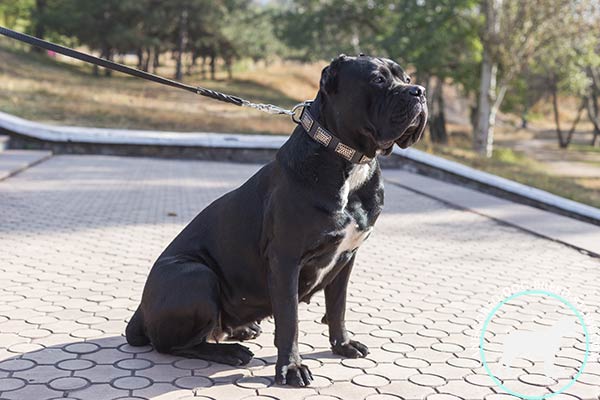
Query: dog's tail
[{"x": 134, "y": 333}]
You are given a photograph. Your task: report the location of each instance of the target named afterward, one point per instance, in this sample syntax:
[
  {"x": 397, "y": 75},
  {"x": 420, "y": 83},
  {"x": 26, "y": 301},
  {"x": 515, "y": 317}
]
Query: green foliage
[
  {"x": 434, "y": 37},
  {"x": 15, "y": 13},
  {"x": 101, "y": 25},
  {"x": 316, "y": 29},
  {"x": 125, "y": 25},
  {"x": 251, "y": 30},
  {"x": 437, "y": 37}
]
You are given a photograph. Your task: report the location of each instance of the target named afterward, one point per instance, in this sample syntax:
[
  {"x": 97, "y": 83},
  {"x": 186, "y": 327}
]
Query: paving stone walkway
[{"x": 79, "y": 233}]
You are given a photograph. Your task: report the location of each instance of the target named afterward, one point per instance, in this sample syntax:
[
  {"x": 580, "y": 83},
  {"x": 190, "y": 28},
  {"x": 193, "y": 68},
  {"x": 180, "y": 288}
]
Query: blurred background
[{"x": 513, "y": 86}]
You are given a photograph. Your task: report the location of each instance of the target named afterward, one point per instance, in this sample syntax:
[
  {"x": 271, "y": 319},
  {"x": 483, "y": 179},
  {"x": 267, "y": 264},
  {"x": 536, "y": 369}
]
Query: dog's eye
[
  {"x": 379, "y": 79},
  {"x": 408, "y": 79}
]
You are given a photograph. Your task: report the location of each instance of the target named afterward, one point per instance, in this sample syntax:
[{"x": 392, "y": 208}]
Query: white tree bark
[
  {"x": 488, "y": 106},
  {"x": 355, "y": 40},
  {"x": 484, "y": 134}
]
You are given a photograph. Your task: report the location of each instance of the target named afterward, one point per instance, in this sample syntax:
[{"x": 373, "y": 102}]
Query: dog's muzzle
[{"x": 414, "y": 130}]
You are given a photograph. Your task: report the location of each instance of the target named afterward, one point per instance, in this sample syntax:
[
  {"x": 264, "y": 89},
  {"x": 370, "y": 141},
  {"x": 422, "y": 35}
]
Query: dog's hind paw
[
  {"x": 234, "y": 355},
  {"x": 231, "y": 354},
  {"x": 246, "y": 332},
  {"x": 352, "y": 349}
]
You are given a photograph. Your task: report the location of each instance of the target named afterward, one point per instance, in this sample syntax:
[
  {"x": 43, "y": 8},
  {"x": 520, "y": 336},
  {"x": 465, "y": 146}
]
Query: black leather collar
[{"x": 328, "y": 140}]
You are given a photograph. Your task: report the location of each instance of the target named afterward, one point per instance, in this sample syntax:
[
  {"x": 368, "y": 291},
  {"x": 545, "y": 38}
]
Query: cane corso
[{"x": 291, "y": 230}]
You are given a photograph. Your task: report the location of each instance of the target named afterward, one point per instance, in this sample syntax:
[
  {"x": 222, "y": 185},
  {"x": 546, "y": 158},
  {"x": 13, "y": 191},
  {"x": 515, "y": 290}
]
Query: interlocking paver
[
  {"x": 162, "y": 391},
  {"x": 78, "y": 235},
  {"x": 41, "y": 374},
  {"x": 336, "y": 372},
  {"x": 409, "y": 390},
  {"x": 100, "y": 391},
  {"x": 41, "y": 392},
  {"x": 8, "y": 384},
  {"x": 102, "y": 374}
]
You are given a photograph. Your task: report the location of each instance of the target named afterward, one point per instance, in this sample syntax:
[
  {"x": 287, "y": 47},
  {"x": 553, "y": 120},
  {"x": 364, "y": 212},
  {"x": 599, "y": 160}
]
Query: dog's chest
[
  {"x": 351, "y": 239},
  {"x": 337, "y": 246}
]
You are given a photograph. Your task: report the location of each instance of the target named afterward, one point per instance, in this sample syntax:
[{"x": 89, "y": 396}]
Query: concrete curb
[
  {"x": 77, "y": 134},
  {"x": 4, "y": 142}
]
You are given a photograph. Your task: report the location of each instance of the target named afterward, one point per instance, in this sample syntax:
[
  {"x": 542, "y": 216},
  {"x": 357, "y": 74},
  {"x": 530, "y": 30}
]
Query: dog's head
[{"x": 374, "y": 98}]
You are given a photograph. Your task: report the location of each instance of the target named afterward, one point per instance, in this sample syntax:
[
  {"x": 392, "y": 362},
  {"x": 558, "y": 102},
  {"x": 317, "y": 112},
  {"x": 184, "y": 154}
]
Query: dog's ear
[{"x": 328, "y": 83}]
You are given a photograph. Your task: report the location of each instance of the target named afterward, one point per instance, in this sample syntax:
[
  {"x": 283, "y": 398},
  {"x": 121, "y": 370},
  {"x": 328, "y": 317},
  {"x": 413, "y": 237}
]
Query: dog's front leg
[
  {"x": 284, "y": 299},
  {"x": 335, "y": 305}
]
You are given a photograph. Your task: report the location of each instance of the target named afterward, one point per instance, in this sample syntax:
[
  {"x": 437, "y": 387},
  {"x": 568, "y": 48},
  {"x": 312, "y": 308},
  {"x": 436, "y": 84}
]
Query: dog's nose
[{"x": 416, "y": 90}]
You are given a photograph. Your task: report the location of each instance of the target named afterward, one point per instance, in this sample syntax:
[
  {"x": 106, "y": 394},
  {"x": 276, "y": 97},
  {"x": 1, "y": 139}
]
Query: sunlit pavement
[{"x": 79, "y": 233}]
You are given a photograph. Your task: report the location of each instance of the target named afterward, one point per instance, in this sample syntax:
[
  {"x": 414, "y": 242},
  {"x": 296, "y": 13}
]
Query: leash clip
[{"x": 298, "y": 109}]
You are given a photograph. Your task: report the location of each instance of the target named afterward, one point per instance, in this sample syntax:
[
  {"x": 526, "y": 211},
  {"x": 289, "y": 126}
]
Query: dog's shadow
[{"x": 103, "y": 368}]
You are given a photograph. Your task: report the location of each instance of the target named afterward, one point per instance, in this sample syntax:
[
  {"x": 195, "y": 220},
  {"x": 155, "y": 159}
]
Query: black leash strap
[
  {"x": 300, "y": 113},
  {"x": 31, "y": 40}
]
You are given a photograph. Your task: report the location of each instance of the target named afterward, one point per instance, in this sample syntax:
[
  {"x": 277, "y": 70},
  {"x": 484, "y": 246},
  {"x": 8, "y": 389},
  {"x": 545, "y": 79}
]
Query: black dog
[{"x": 289, "y": 231}]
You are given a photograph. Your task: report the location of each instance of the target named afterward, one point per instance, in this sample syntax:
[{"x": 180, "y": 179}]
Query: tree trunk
[
  {"x": 181, "y": 41},
  {"x": 592, "y": 112},
  {"x": 525, "y": 113},
  {"x": 524, "y": 94},
  {"x": 355, "y": 40},
  {"x": 109, "y": 57},
  {"x": 213, "y": 66},
  {"x": 473, "y": 115},
  {"x": 229, "y": 68},
  {"x": 156, "y": 59},
  {"x": 193, "y": 62},
  {"x": 594, "y": 141},
  {"x": 575, "y": 123},
  {"x": 40, "y": 28},
  {"x": 203, "y": 71},
  {"x": 437, "y": 118},
  {"x": 103, "y": 54},
  {"x": 524, "y": 119},
  {"x": 561, "y": 142},
  {"x": 146, "y": 66},
  {"x": 140, "y": 57},
  {"x": 593, "y": 108},
  {"x": 484, "y": 132}
]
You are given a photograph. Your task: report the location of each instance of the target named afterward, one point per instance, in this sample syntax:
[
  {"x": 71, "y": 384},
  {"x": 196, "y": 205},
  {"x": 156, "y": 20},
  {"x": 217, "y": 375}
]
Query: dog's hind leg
[
  {"x": 181, "y": 312},
  {"x": 135, "y": 330}
]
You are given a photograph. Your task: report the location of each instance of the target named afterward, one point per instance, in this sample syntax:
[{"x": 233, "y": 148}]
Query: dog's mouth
[
  {"x": 414, "y": 130},
  {"x": 408, "y": 132}
]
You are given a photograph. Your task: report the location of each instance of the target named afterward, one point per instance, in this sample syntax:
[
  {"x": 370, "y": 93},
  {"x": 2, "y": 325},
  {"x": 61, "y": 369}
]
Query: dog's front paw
[
  {"x": 352, "y": 349},
  {"x": 293, "y": 375}
]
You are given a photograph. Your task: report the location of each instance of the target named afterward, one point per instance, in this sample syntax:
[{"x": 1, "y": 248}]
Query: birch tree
[{"x": 514, "y": 33}]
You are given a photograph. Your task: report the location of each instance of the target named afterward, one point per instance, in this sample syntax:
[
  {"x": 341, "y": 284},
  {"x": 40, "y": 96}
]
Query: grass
[
  {"x": 41, "y": 89},
  {"x": 584, "y": 148}
]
